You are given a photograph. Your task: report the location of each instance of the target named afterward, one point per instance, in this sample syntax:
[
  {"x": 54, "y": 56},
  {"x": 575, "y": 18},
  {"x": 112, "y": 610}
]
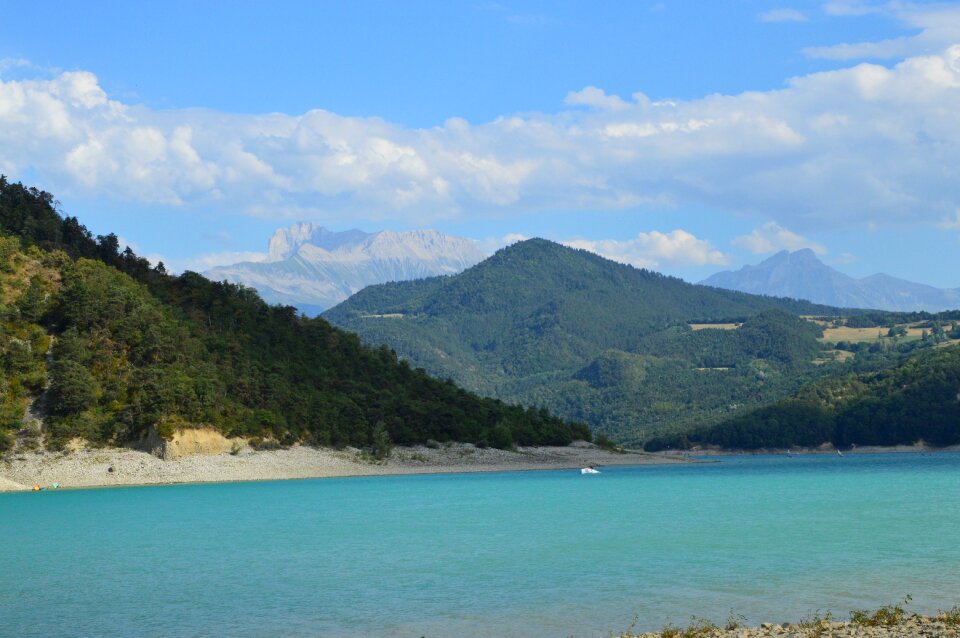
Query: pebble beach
[
  {"x": 911, "y": 627},
  {"x": 112, "y": 467}
]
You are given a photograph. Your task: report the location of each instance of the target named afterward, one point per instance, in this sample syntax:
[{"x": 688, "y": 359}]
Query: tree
[
  {"x": 33, "y": 302},
  {"x": 382, "y": 445},
  {"x": 72, "y": 389}
]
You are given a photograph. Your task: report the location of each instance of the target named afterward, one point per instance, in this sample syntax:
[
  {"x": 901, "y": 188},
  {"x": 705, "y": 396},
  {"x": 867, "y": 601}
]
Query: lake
[{"x": 510, "y": 554}]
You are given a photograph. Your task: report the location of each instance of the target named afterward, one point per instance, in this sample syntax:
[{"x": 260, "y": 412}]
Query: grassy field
[
  {"x": 844, "y": 333},
  {"x": 715, "y": 326}
]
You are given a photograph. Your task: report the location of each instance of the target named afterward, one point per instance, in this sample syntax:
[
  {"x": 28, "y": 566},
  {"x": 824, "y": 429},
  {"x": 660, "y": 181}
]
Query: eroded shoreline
[{"x": 113, "y": 467}]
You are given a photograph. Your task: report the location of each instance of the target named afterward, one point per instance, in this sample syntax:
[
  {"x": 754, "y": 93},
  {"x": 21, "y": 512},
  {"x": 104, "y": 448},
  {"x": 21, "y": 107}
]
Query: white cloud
[
  {"x": 653, "y": 249},
  {"x": 14, "y": 63},
  {"x": 844, "y": 258},
  {"x": 597, "y": 98},
  {"x": 490, "y": 245},
  {"x": 937, "y": 25},
  {"x": 951, "y": 223},
  {"x": 783, "y": 15},
  {"x": 865, "y": 143},
  {"x": 772, "y": 237}
]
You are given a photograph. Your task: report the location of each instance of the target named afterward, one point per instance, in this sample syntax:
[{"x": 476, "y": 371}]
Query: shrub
[
  {"x": 951, "y": 617},
  {"x": 887, "y": 616},
  {"x": 6, "y": 441},
  {"x": 382, "y": 445},
  {"x": 605, "y": 442},
  {"x": 264, "y": 445},
  {"x": 816, "y": 625},
  {"x": 501, "y": 437}
]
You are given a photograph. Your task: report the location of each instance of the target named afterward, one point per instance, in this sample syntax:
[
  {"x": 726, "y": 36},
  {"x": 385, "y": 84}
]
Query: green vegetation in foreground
[
  {"x": 917, "y": 400},
  {"x": 601, "y": 342},
  {"x": 127, "y": 348}
]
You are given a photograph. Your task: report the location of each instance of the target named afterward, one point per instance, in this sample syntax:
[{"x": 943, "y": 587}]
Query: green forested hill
[
  {"x": 916, "y": 400},
  {"x": 592, "y": 339},
  {"x": 126, "y": 347}
]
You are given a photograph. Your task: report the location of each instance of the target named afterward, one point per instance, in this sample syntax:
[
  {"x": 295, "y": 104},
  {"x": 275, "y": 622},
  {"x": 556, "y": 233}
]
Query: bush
[
  {"x": 382, "y": 445},
  {"x": 887, "y": 616},
  {"x": 500, "y": 437},
  {"x": 605, "y": 442},
  {"x": 6, "y": 441},
  {"x": 265, "y": 445}
]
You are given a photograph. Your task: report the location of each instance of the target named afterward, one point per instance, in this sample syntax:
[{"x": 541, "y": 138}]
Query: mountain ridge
[
  {"x": 801, "y": 275},
  {"x": 312, "y": 268},
  {"x": 530, "y": 321}
]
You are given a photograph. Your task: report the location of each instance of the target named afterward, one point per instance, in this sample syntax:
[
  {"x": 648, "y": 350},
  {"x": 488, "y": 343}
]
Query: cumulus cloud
[
  {"x": 937, "y": 25},
  {"x": 783, "y": 15},
  {"x": 653, "y": 249},
  {"x": 772, "y": 237},
  {"x": 865, "y": 143},
  {"x": 597, "y": 98}
]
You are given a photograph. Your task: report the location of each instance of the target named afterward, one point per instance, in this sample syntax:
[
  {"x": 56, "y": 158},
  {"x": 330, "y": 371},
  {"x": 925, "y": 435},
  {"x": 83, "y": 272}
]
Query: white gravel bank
[{"x": 119, "y": 466}]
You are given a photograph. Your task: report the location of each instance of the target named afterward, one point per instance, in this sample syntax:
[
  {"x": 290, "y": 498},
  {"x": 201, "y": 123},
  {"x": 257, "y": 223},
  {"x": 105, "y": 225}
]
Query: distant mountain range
[
  {"x": 801, "y": 275},
  {"x": 312, "y": 268},
  {"x": 592, "y": 339}
]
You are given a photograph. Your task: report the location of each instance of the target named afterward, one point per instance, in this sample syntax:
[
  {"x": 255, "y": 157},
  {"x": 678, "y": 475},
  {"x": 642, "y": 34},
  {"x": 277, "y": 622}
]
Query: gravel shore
[
  {"x": 911, "y": 627},
  {"x": 108, "y": 467}
]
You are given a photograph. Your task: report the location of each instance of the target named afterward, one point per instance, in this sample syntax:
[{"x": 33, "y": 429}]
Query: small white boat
[
  {"x": 839, "y": 453},
  {"x": 589, "y": 470}
]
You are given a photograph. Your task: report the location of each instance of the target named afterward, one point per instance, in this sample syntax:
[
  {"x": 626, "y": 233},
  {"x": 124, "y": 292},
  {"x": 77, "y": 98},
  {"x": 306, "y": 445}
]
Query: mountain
[
  {"x": 312, "y": 268},
  {"x": 800, "y": 275},
  {"x": 917, "y": 400},
  {"x": 102, "y": 346},
  {"x": 592, "y": 339}
]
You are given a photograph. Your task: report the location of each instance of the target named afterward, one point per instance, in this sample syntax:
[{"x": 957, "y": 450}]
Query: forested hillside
[
  {"x": 126, "y": 348},
  {"x": 918, "y": 400},
  {"x": 594, "y": 340}
]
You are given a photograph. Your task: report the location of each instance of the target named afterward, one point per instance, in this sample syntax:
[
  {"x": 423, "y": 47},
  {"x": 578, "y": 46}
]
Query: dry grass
[
  {"x": 843, "y": 355},
  {"x": 715, "y": 326},
  {"x": 845, "y": 333},
  {"x": 23, "y": 268},
  {"x": 853, "y": 334}
]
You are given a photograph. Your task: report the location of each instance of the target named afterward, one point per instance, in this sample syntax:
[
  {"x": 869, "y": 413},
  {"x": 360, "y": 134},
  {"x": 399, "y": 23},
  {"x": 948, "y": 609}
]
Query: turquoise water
[{"x": 512, "y": 554}]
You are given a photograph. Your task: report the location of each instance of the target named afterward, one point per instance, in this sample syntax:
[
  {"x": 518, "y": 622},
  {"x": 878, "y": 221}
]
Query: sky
[{"x": 687, "y": 137}]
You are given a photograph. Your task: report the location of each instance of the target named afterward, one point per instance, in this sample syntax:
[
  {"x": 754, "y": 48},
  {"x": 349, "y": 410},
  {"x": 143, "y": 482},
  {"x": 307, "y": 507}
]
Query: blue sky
[{"x": 687, "y": 137}]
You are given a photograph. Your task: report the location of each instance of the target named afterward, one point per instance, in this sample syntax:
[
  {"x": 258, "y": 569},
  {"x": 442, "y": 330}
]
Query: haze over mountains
[
  {"x": 801, "y": 275},
  {"x": 312, "y": 268}
]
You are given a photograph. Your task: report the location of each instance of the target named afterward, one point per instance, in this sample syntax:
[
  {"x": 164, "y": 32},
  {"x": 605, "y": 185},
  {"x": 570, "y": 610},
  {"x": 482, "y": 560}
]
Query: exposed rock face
[
  {"x": 189, "y": 441},
  {"x": 313, "y": 269},
  {"x": 801, "y": 275}
]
